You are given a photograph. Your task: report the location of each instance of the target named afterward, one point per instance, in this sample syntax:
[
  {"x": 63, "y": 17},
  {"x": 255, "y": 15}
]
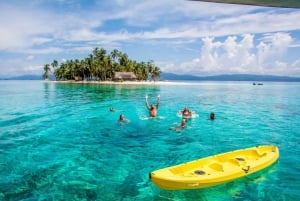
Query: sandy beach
[{"x": 127, "y": 82}]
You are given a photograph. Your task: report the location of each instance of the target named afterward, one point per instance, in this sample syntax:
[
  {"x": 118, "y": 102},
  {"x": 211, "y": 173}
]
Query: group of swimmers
[{"x": 186, "y": 113}]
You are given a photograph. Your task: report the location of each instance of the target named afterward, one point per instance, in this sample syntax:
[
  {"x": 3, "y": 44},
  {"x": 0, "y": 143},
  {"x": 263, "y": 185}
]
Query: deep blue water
[{"x": 60, "y": 142}]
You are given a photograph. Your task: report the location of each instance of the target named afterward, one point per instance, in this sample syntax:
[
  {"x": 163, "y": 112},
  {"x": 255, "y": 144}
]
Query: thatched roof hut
[{"x": 124, "y": 76}]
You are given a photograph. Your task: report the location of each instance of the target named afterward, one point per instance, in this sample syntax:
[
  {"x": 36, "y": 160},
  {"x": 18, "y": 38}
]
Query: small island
[{"x": 100, "y": 66}]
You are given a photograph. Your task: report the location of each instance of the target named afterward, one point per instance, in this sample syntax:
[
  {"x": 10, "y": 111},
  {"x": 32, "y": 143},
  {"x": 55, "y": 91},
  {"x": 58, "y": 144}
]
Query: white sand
[{"x": 127, "y": 82}]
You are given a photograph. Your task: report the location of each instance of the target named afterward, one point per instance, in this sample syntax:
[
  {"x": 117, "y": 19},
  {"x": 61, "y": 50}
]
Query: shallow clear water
[{"x": 60, "y": 142}]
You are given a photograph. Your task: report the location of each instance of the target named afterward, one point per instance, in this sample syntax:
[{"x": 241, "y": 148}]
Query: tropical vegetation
[{"x": 101, "y": 66}]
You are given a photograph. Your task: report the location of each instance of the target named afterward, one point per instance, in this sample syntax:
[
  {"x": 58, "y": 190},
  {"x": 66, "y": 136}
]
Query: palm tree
[
  {"x": 46, "y": 71},
  {"x": 78, "y": 71},
  {"x": 99, "y": 56},
  {"x": 150, "y": 68},
  {"x": 54, "y": 64},
  {"x": 60, "y": 73},
  {"x": 123, "y": 59},
  {"x": 70, "y": 69},
  {"x": 140, "y": 71},
  {"x": 90, "y": 66},
  {"x": 115, "y": 55},
  {"x": 101, "y": 66},
  {"x": 156, "y": 73},
  {"x": 108, "y": 66},
  {"x": 85, "y": 68}
]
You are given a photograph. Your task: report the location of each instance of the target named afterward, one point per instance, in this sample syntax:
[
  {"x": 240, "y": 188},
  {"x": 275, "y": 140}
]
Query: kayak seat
[
  {"x": 234, "y": 162},
  {"x": 256, "y": 154},
  {"x": 217, "y": 167},
  {"x": 260, "y": 154}
]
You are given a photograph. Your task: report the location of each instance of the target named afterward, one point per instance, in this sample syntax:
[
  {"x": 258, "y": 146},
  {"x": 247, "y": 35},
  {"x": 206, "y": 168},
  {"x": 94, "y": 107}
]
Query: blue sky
[{"x": 183, "y": 37}]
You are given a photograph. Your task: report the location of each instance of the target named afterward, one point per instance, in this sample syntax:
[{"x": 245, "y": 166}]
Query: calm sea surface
[{"x": 60, "y": 142}]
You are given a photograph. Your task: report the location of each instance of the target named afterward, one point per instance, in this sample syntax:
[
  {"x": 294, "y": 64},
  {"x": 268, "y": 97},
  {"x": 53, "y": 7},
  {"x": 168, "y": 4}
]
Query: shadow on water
[
  {"x": 25, "y": 186},
  {"x": 46, "y": 180},
  {"x": 128, "y": 188},
  {"x": 20, "y": 119}
]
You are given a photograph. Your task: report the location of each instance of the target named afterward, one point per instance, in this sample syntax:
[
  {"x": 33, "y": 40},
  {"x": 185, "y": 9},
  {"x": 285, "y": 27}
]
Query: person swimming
[
  {"x": 122, "y": 119},
  {"x": 111, "y": 109},
  {"x": 151, "y": 108},
  {"x": 180, "y": 126},
  {"x": 186, "y": 112},
  {"x": 212, "y": 116}
]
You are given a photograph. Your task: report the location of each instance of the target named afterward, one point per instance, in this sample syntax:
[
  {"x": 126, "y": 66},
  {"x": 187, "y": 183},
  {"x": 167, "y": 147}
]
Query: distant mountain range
[
  {"x": 229, "y": 77},
  {"x": 172, "y": 76},
  {"x": 23, "y": 77}
]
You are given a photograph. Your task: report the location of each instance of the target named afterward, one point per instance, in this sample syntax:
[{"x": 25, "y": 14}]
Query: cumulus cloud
[
  {"x": 30, "y": 58},
  {"x": 35, "y": 28},
  {"x": 19, "y": 66},
  {"x": 273, "y": 45},
  {"x": 27, "y": 26},
  {"x": 234, "y": 55},
  {"x": 296, "y": 64},
  {"x": 295, "y": 70},
  {"x": 231, "y": 56}
]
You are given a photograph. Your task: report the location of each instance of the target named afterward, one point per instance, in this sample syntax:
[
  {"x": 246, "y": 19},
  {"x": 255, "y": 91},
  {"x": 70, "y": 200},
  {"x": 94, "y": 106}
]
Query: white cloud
[
  {"x": 19, "y": 27},
  {"x": 241, "y": 56},
  {"x": 167, "y": 67},
  {"x": 272, "y": 46},
  {"x": 19, "y": 66},
  {"x": 34, "y": 29},
  {"x": 31, "y": 69},
  {"x": 296, "y": 63},
  {"x": 24, "y": 26},
  {"x": 209, "y": 55},
  {"x": 48, "y": 50},
  {"x": 30, "y": 58},
  {"x": 281, "y": 66},
  {"x": 281, "y": 41}
]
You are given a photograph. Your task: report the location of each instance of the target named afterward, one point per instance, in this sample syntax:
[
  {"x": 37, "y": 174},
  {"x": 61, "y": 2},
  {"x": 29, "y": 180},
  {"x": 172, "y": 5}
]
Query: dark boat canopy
[{"x": 267, "y": 3}]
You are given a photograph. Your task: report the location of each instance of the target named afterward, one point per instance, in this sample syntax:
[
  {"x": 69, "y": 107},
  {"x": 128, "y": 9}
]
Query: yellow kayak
[{"x": 216, "y": 169}]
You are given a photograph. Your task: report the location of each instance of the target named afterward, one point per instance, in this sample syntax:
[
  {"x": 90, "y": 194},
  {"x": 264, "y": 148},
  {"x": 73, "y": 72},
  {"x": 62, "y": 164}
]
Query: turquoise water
[{"x": 60, "y": 142}]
